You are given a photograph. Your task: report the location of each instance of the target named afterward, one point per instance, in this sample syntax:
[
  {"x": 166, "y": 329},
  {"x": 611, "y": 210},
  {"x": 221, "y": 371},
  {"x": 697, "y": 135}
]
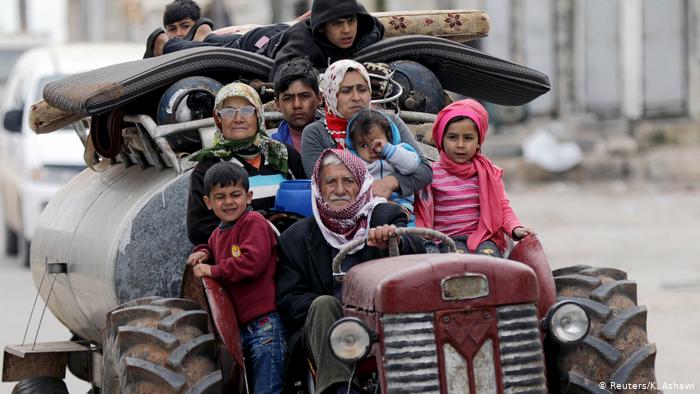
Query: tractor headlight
[
  {"x": 568, "y": 322},
  {"x": 350, "y": 339}
]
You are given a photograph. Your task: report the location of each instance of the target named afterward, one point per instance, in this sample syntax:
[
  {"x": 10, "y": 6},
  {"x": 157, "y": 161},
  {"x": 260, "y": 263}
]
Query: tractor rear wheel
[
  {"x": 616, "y": 348},
  {"x": 159, "y": 345}
]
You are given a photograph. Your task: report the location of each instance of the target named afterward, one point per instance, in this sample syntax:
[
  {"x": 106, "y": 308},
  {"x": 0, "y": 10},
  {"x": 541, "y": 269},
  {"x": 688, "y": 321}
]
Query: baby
[{"x": 376, "y": 139}]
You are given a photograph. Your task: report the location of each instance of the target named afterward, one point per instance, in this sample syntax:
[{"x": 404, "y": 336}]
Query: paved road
[
  {"x": 650, "y": 232},
  {"x": 17, "y": 292}
]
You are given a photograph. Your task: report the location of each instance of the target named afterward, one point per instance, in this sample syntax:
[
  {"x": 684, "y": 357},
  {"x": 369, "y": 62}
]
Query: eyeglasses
[{"x": 230, "y": 112}]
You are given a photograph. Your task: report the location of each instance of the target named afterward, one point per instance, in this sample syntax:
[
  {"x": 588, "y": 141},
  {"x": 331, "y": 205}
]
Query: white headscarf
[{"x": 330, "y": 83}]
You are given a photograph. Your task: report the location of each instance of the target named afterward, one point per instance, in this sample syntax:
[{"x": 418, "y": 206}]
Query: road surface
[{"x": 649, "y": 231}]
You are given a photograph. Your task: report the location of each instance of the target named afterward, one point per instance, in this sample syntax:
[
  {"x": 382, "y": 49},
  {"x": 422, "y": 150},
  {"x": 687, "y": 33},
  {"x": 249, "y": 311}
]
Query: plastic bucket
[{"x": 294, "y": 196}]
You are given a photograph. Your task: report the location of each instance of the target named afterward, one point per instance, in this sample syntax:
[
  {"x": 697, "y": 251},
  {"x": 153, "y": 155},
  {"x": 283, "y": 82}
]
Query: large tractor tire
[
  {"x": 616, "y": 348},
  {"x": 40, "y": 385},
  {"x": 159, "y": 345}
]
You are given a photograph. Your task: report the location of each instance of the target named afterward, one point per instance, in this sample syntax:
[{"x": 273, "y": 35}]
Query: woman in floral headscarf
[
  {"x": 240, "y": 137},
  {"x": 346, "y": 91}
]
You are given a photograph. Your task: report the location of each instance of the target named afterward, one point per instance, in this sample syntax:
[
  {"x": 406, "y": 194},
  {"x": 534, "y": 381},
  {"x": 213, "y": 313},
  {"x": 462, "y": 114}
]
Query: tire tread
[
  {"x": 616, "y": 348},
  {"x": 143, "y": 335}
]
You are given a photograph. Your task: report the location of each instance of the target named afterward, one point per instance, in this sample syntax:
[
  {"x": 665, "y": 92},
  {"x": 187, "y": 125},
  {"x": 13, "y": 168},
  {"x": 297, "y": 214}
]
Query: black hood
[{"x": 323, "y": 11}]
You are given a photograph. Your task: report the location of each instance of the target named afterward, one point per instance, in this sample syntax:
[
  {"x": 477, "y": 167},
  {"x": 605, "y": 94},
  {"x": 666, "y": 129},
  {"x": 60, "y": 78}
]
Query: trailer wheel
[
  {"x": 40, "y": 385},
  {"x": 159, "y": 345},
  {"x": 80, "y": 363},
  {"x": 616, "y": 348}
]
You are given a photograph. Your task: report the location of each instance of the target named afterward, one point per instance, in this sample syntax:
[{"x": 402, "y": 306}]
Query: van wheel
[
  {"x": 40, "y": 385},
  {"x": 11, "y": 242},
  {"x": 616, "y": 348},
  {"x": 23, "y": 255},
  {"x": 159, "y": 345}
]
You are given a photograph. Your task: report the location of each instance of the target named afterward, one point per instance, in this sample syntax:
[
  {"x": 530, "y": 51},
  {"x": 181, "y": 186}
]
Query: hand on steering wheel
[
  {"x": 392, "y": 242},
  {"x": 378, "y": 237}
]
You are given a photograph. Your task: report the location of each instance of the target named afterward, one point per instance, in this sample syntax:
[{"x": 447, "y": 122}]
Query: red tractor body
[{"x": 453, "y": 322}]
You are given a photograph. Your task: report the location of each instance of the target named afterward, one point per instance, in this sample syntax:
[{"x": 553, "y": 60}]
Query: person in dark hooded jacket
[{"x": 336, "y": 30}]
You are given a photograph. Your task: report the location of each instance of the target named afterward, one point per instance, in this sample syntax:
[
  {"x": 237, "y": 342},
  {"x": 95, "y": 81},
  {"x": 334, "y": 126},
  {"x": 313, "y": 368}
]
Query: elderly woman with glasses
[{"x": 240, "y": 138}]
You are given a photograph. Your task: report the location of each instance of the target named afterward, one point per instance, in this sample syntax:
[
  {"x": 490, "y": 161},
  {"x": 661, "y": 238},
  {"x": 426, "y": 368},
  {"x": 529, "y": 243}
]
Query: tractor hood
[{"x": 422, "y": 283}]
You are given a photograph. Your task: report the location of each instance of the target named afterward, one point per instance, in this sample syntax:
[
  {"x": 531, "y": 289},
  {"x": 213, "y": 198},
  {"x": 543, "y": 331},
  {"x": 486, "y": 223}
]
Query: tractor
[{"x": 108, "y": 254}]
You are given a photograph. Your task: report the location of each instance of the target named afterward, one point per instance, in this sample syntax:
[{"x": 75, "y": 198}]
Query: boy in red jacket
[{"x": 244, "y": 249}]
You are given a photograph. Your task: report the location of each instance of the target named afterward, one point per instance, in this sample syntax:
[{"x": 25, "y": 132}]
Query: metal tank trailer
[
  {"x": 119, "y": 228},
  {"x": 122, "y": 236},
  {"x": 106, "y": 238}
]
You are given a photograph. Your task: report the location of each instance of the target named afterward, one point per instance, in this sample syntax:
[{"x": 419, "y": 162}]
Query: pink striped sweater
[{"x": 457, "y": 208}]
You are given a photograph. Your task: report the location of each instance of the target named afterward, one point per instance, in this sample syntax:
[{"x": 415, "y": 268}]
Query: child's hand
[
  {"x": 522, "y": 232},
  {"x": 202, "y": 270},
  {"x": 377, "y": 146},
  {"x": 385, "y": 186},
  {"x": 197, "y": 257}
]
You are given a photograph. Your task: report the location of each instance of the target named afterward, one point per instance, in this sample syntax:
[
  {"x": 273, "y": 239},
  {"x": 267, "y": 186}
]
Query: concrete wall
[
  {"x": 630, "y": 59},
  {"x": 692, "y": 20},
  {"x": 43, "y": 18}
]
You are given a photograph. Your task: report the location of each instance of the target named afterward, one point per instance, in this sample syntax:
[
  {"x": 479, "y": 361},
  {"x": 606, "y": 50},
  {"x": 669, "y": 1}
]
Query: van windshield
[{"x": 7, "y": 60}]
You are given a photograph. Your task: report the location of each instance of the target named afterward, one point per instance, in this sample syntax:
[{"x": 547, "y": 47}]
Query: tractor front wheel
[
  {"x": 159, "y": 345},
  {"x": 616, "y": 352}
]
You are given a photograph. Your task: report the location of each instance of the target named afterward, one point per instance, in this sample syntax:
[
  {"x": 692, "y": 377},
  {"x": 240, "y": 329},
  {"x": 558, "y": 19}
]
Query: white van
[
  {"x": 12, "y": 46},
  {"x": 33, "y": 167}
]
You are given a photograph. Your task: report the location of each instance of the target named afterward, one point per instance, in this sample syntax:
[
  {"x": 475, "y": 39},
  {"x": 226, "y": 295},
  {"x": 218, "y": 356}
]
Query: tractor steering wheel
[{"x": 338, "y": 273}]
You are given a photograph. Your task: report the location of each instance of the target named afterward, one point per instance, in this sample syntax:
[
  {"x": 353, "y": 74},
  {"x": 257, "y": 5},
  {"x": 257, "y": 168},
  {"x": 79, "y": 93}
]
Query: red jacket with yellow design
[{"x": 245, "y": 253}]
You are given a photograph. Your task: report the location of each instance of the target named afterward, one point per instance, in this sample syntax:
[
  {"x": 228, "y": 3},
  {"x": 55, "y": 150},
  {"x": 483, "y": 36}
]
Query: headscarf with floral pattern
[{"x": 330, "y": 85}]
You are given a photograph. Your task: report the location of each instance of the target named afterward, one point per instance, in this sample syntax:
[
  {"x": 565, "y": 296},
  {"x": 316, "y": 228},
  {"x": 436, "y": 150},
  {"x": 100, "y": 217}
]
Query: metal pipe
[
  {"x": 395, "y": 97},
  {"x": 80, "y": 130},
  {"x": 48, "y": 298},
  {"x": 29, "y": 321},
  {"x": 408, "y": 116},
  {"x": 416, "y": 117},
  {"x": 150, "y": 152},
  {"x": 165, "y": 130}
]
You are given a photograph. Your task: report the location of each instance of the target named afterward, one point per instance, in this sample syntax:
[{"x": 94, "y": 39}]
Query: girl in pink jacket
[{"x": 467, "y": 200}]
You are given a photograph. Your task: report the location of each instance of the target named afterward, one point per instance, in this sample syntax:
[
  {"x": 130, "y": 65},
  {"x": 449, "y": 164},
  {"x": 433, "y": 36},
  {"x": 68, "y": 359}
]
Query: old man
[{"x": 308, "y": 298}]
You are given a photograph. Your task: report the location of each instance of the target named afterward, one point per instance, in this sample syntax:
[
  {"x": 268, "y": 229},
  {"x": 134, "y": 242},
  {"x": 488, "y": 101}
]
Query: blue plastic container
[{"x": 294, "y": 196}]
